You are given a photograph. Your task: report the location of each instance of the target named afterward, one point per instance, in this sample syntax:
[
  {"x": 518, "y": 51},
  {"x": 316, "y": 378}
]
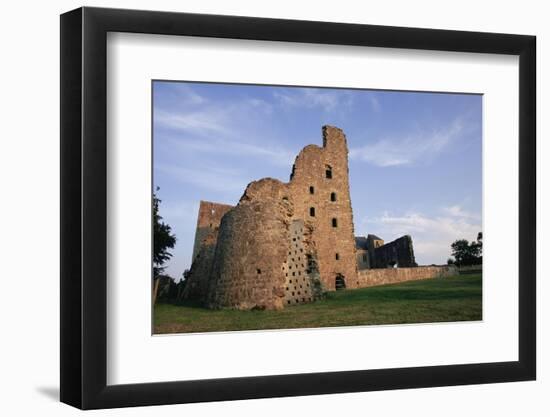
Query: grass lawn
[{"x": 432, "y": 300}]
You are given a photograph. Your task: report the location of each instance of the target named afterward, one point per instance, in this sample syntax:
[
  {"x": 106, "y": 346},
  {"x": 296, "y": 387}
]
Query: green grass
[{"x": 432, "y": 300}]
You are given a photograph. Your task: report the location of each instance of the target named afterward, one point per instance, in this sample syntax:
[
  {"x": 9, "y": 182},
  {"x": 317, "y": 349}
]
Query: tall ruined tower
[{"x": 319, "y": 188}]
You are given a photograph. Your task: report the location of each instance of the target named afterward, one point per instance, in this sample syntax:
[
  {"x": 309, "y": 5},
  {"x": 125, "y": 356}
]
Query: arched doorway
[{"x": 340, "y": 282}]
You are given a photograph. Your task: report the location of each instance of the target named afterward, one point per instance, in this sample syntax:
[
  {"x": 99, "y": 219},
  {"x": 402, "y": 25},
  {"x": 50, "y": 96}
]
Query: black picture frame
[{"x": 84, "y": 207}]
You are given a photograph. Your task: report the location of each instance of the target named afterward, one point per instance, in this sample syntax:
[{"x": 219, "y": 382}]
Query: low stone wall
[
  {"x": 470, "y": 269},
  {"x": 373, "y": 277}
]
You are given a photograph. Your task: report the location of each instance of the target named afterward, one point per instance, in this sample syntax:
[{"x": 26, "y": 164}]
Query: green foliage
[
  {"x": 163, "y": 239},
  {"x": 425, "y": 301},
  {"x": 467, "y": 253}
]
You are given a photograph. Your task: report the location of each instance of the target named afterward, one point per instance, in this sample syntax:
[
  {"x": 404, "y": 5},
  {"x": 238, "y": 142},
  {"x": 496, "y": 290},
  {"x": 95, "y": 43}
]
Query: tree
[
  {"x": 467, "y": 253},
  {"x": 163, "y": 239},
  {"x": 480, "y": 247},
  {"x": 480, "y": 242}
]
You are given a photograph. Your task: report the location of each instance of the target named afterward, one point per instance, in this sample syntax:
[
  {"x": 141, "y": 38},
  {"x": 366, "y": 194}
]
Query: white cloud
[
  {"x": 211, "y": 178},
  {"x": 222, "y": 128},
  {"x": 259, "y": 104},
  {"x": 458, "y": 211},
  {"x": 374, "y": 102},
  {"x": 275, "y": 155},
  {"x": 409, "y": 149},
  {"x": 432, "y": 236},
  {"x": 186, "y": 95},
  {"x": 310, "y": 98},
  {"x": 178, "y": 211},
  {"x": 198, "y": 122},
  {"x": 224, "y": 145}
]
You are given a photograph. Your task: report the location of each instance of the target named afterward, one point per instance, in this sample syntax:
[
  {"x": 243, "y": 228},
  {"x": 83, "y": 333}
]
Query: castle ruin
[
  {"x": 372, "y": 252},
  {"x": 286, "y": 243}
]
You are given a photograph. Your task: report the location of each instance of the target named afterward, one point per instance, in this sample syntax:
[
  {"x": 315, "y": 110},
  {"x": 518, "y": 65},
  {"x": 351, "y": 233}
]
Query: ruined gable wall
[
  {"x": 210, "y": 215},
  {"x": 399, "y": 252},
  {"x": 310, "y": 171},
  {"x": 372, "y": 244},
  {"x": 248, "y": 268}
]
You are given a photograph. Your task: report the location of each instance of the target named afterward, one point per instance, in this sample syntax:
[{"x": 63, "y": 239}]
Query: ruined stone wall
[
  {"x": 302, "y": 279},
  {"x": 363, "y": 260},
  {"x": 398, "y": 253},
  {"x": 210, "y": 215},
  {"x": 373, "y": 277},
  {"x": 319, "y": 189},
  {"x": 298, "y": 287},
  {"x": 258, "y": 260},
  {"x": 373, "y": 242},
  {"x": 253, "y": 242},
  {"x": 198, "y": 282},
  {"x": 470, "y": 269}
]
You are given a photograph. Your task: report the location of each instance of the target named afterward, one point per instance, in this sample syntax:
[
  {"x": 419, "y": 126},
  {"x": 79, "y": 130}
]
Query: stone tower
[
  {"x": 247, "y": 270},
  {"x": 319, "y": 188}
]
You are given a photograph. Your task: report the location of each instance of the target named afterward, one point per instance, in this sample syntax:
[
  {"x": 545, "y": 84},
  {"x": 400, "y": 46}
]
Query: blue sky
[{"x": 415, "y": 158}]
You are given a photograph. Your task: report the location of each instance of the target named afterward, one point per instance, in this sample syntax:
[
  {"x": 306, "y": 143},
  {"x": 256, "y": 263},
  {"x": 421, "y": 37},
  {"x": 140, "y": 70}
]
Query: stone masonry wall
[
  {"x": 373, "y": 242},
  {"x": 253, "y": 255},
  {"x": 302, "y": 283},
  {"x": 399, "y": 252},
  {"x": 248, "y": 268},
  {"x": 210, "y": 216},
  {"x": 363, "y": 261},
  {"x": 323, "y": 199},
  {"x": 198, "y": 282},
  {"x": 373, "y": 277}
]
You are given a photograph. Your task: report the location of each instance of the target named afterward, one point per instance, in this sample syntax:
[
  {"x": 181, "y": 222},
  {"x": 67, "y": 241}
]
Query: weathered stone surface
[
  {"x": 254, "y": 261},
  {"x": 208, "y": 221},
  {"x": 198, "y": 281},
  {"x": 372, "y": 252},
  {"x": 381, "y": 276},
  {"x": 319, "y": 188},
  {"x": 266, "y": 188},
  {"x": 470, "y": 269},
  {"x": 373, "y": 242},
  {"x": 251, "y": 250},
  {"x": 302, "y": 279},
  {"x": 362, "y": 257},
  {"x": 397, "y": 253}
]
